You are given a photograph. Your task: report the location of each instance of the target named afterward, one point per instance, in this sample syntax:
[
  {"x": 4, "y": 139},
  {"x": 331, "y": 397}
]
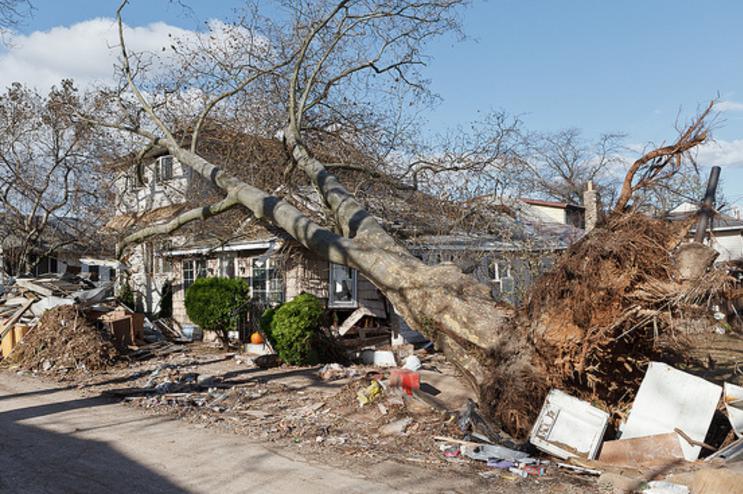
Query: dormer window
[{"x": 164, "y": 169}]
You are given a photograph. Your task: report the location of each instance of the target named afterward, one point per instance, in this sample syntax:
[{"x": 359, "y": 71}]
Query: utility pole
[{"x": 708, "y": 205}]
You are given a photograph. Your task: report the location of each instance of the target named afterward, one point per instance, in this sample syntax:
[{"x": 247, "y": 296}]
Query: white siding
[
  {"x": 153, "y": 195},
  {"x": 729, "y": 245}
]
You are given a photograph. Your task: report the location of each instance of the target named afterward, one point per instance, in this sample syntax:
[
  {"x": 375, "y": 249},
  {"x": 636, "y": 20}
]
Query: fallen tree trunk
[
  {"x": 449, "y": 307},
  {"x": 577, "y": 316},
  {"x": 574, "y": 321}
]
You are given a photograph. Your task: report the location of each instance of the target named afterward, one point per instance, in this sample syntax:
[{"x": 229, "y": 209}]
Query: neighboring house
[
  {"x": 500, "y": 249},
  {"x": 724, "y": 234},
  {"x": 531, "y": 233},
  {"x": 556, "y": 212},
  {"x": 66, "y": 258}
]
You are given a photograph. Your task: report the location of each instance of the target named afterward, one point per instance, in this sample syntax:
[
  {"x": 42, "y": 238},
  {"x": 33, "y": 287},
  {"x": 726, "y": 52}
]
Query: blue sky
[{"x": 600, "y": 66}]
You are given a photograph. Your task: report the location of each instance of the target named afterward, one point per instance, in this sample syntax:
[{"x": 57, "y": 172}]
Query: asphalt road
[{"x": 56, "y": 441}]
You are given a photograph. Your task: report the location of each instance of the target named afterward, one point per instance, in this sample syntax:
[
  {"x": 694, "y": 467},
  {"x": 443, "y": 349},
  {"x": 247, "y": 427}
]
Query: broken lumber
[{"x": 8, "y": 325}]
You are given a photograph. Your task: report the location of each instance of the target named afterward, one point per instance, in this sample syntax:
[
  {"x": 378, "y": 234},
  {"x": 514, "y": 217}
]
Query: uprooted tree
[{"x": 328, "y": 70}]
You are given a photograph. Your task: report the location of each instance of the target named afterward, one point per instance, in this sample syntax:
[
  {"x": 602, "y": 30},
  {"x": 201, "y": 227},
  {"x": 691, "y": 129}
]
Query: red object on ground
[{"x": 406, "y": 379}]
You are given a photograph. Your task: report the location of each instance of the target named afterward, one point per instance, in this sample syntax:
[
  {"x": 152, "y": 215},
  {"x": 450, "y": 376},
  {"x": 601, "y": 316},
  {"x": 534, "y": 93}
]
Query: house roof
[
  {"x": 74, "y": 235},
  {"x": 411, "y": 216},
  {"x": 720, "y": 222},
  {"x": 551, "y": 204}
]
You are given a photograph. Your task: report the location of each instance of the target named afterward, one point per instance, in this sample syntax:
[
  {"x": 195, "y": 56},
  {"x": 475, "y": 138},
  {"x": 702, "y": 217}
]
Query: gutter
[{"x": 252, "y": 245}]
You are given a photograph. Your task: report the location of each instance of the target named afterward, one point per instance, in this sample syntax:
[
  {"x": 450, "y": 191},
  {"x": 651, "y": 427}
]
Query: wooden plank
[
  {"x": 644, "y": 451},
  {"x": 14, "y": 319},
  {"x": 34, "y": 287},
  {"x": 351, "y": 320}
]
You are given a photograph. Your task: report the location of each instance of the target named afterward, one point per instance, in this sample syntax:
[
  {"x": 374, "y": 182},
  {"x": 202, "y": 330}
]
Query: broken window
[
  {"x": 164, "y": 169},
  {"x": 343, "y": 286},
  {"x": 265, "y": 283},
  {"x": 499, "y": 272},
  {"x": 193, "y": 269}
]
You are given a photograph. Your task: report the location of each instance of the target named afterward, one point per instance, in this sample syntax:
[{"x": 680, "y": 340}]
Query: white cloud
[
  {"x": 722, "y": 153},
  {"x": 85, "y": 52},
  {"x": 729, "y": 106}
]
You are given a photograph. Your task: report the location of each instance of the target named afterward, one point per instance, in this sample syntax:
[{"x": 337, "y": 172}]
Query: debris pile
[
  {"x": 316, "y": 409},
  {"x": 66, "y": 323},
  {"x": 618, "y": 300},
  {"x": 64, "y": 341},
  {"x": 25, "y": 300}
]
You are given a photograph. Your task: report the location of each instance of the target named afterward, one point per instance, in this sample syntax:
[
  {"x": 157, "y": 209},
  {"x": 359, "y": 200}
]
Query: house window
[
  {"x": 227, "y": 266},
  {"x": 343, "y": 286},
  {"x": 95, "y": 272},
  {"x": 136, "y": 178},
  {"x": 45, "y": 266},
  {"x": 265, "y": 282},
  {"x": 499, "y": 272},
  {"x": 164, "y": 169},
  {"x": 164, "y": 264},
  {"x": 193, "y": 269}
]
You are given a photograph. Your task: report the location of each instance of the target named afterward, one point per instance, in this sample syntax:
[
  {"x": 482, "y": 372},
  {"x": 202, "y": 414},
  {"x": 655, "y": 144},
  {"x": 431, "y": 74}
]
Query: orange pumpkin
[{"x": 256, "y": 338}]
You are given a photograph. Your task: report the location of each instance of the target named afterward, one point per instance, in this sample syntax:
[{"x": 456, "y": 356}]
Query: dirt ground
[{"x": 294, "y": 413}]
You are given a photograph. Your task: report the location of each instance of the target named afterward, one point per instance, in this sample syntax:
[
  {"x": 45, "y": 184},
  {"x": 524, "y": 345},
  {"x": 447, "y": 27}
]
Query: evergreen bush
[
  {"x": 295, "y": 329},
  {"x": 214, "y": 304}
]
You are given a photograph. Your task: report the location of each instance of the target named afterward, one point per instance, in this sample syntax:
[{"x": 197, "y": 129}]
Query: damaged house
[{"x": 501, "y": 244}]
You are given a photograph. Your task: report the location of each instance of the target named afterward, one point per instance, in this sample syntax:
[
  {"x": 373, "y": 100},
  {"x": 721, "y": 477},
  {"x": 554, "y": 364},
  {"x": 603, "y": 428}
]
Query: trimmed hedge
[
  {"x": 295, "y": 329},
  {"x": 213, "y": 303}
]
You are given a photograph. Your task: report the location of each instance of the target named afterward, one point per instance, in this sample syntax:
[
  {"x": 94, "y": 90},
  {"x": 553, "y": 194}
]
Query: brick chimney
[{"x": 591, "y": 205}]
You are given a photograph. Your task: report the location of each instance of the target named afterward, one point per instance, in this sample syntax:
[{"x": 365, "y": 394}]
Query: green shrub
[
  {"x": 213, "y": 304},
  {"x": 295, "y": 328},
  {"x": 265, "y": 324}
]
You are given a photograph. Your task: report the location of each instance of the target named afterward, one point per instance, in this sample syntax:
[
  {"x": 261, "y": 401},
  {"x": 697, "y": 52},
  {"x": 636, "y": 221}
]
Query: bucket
[{"x": 405, "y": 379}]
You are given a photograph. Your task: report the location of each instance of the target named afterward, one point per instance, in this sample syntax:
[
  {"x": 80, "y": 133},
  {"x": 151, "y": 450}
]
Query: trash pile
[
  {"x": 64, "y": 341},
  {"x": 623, "y": 296},
  {"x": 25, "y": 301},
  {"x": 64, "y": 323},
  {"x": 669, "y": 441}
]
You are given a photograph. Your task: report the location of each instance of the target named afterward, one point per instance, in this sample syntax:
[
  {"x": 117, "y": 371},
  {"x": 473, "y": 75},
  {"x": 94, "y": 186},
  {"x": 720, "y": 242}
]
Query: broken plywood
[
  {"x": 668, "y": 399},
  {"x": 643, "y": 451},
  {"x": 357, "y": 316}
]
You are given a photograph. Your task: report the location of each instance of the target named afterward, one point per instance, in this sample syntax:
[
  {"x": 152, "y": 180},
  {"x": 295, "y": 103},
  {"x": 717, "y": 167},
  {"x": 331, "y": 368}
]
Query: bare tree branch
[
  {"x": 664, "y": 162},
  {"x": 200, "y": 213}
]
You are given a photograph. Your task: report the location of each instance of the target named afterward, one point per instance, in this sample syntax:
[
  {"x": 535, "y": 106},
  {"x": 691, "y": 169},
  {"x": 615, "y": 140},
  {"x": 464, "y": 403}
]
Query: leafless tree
[
  {"x": 12, "y": 13},
  {"x": 49, "y": 194},
  {"x": 330, "y": 68},
  {"x": 561, "y": 165}
]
